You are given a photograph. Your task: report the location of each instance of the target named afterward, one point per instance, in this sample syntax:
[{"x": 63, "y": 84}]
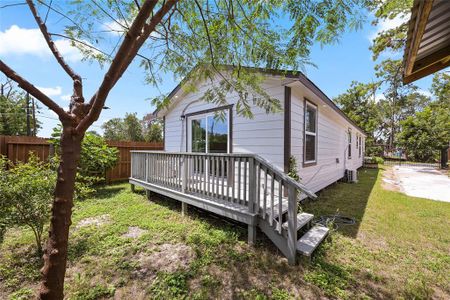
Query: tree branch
[
  {"x": 34, "y": 91},
  {"x": 207, "y": 33},
  {"x": 134, "y": 39},
  {"x": 137, "y": 4},
  {"x": 114, "y": 71},
  {"x": 51, "y": 44}
]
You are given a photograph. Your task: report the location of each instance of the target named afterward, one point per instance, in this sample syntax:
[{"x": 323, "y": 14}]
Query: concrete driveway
[{"x": 424, "y": 182}]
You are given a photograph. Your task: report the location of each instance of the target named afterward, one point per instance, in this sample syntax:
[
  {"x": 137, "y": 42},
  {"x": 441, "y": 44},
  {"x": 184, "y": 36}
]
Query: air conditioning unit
[{"x": 351, "y": 175}]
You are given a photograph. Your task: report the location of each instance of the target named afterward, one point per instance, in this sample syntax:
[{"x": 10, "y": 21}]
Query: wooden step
[
  {"x": 302, "y": 220},
  {"x": 284, "y": 208},
  {"x": 310, "y": 240}
]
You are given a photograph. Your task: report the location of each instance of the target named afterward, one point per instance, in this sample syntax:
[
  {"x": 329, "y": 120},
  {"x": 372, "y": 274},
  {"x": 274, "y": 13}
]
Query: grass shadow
[
  {"x": 106, "y": 192},
  {"x": 213, "y": 220},
  {"x": 345, "y": 199}
]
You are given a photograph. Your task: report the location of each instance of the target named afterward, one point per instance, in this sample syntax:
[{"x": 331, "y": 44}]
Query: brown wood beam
[
  {"x": 424, "y": 10},
  {"x": 429, "y": 69},
  {"x": 437, "y": 56}
]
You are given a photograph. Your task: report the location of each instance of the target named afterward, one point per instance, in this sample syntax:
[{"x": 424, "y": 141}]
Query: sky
[{"x": 24, "y": 50}]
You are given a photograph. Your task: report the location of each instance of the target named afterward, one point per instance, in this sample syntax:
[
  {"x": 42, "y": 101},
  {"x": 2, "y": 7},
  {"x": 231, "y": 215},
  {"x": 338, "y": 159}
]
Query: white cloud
[
  {"x": 51, "y": 91},
  {"x": 425, "y": 93},
  {"x": 378, "y": 97},
  {"x": 66, "y": 97},
  {"x": 23, "y": 41},
  {"x": 114, "y": 28},
  {"x": 388, "y": 24},
  {"x": 118, "y": 28}
]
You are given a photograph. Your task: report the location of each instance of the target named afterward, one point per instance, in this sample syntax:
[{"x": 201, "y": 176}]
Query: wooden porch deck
[{"x": 242, "y": 187}]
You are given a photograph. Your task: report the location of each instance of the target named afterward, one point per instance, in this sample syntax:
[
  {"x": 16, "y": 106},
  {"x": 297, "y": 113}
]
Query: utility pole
[
  {"x": 34, "y": 117},
  {"x": 28, "y": 115}
]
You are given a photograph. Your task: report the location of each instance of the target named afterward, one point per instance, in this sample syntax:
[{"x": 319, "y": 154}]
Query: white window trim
[{"x": 305, "y": 132}]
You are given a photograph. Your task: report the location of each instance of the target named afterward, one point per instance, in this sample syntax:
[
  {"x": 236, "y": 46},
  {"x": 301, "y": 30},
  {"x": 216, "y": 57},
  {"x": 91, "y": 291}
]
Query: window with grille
[{"x": 310, "y": 137}]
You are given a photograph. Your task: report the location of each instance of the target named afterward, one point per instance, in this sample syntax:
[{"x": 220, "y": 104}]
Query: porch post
[
  {"x": 292, "y": 225},
  {"x": 184, "y": 209},
  {"x": 251, "y": 234},
  {"x": 184, "y": 178},
  {"x": 251, "y": 198},
  {"x": 251, "y": 185}
]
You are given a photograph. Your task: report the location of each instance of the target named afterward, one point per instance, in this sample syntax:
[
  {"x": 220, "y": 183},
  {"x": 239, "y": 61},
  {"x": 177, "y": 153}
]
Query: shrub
[
  {"x": 26, "y": 194},
  {"x": 373, "y": 160},
  {"x": 96, "y": 158},
  {"x": 293, "y": 172}
]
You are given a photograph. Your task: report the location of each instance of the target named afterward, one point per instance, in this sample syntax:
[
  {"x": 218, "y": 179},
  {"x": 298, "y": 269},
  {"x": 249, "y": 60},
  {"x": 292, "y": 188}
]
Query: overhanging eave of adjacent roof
[{"x": 428, "y": 40}]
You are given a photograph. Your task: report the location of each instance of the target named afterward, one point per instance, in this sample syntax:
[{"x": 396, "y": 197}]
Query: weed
[
  {"x": 22, "y": 294},
  {"x": 281, "y": 294},
  {"x": 381, "y": 256},
  {"x": 170, "y": 285}
]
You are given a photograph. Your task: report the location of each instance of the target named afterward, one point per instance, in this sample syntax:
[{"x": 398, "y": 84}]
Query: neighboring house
[
  {"x": 236, "y": 167},
  {"x": 324, "y": 148}
]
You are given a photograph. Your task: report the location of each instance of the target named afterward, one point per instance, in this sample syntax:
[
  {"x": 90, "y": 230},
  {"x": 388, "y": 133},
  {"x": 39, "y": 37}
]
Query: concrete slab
[{"x": 424, "y": 182}]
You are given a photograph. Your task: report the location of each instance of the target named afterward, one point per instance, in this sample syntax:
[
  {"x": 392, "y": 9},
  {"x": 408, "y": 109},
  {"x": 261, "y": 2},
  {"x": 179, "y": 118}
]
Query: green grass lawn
[{"x": 398, "y": 248}]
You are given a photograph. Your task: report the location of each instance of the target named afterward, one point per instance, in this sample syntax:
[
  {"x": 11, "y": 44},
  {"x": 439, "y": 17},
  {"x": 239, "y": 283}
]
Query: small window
[
  {"x": 310, "y": 138},
  {"x": 360, "y": 146},
  {"x": 349, "y": 151}
]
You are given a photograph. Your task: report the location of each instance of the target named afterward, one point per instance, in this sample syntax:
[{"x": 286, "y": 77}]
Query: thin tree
[{"x": 203, "y": 33}]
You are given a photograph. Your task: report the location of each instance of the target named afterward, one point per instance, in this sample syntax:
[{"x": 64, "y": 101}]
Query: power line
[{"x": 41, "y": 115}]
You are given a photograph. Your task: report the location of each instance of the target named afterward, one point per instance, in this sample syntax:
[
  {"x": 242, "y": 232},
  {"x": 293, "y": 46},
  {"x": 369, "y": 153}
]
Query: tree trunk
[{"x": 55, "y": 253}]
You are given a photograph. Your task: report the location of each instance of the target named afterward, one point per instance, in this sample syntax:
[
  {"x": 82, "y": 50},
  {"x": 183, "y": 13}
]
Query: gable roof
[{"x": 292, "y": 74}]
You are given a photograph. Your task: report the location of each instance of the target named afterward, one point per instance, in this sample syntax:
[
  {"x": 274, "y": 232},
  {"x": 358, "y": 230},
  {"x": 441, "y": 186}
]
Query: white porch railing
[{"x": 244, "y": 179}]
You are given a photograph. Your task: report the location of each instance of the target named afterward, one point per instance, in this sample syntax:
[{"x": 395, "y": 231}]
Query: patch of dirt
[
  {"x": 373, "y": 243},
  {"x": 390, "y": 181},
  {"x": 166, "y": 258},
  {"x": 237, "y": 280},
  {"x": 133, "y": 291},
  {"x": 94, "y": 221},
  {"x": 134, "y": 232}
]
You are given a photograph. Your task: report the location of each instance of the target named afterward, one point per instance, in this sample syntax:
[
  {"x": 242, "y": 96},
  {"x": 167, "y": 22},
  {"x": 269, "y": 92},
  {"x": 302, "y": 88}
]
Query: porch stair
[
  {"x": 310, "y": 236},
  {"x": 243, "y": 187}
]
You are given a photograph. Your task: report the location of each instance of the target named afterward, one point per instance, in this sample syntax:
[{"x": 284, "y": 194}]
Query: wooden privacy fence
[{"x": 18, "y": 148}]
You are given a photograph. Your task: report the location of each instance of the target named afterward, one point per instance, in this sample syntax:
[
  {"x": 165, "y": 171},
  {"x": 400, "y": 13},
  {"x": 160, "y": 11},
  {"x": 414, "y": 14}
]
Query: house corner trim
[{"x": 287, "y": 127}]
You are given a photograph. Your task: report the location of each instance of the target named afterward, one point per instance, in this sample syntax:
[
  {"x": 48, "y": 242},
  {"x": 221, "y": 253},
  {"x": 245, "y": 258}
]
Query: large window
[
  {"x": 310, "y": 138},
  {"x": 349, "y": 150},
  {"x": 209, "y": 133}
]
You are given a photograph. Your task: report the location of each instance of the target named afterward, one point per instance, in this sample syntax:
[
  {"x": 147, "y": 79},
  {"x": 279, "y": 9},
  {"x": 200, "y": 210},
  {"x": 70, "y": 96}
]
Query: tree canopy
[
  {"x": 130, "y": 128},
  {"x": 13, "y": 112},
  {"x": 206, "y": 35},
  {"x": 172, "y": 37}
]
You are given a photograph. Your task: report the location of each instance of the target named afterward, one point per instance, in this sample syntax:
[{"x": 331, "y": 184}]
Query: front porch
[{"x": 242, "y": 187}]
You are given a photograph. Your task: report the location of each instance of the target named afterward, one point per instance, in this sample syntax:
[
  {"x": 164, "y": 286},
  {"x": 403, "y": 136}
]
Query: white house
[
  {"x": 236, "y": 167},
  {"x": 323, "y": 140}
]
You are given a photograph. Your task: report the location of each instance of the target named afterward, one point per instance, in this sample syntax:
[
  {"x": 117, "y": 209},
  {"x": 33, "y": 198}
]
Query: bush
[
  {"x": 26, "y": 194},
  {"x": 373, "y": 160},
  {"x": 95, "y": 159}
]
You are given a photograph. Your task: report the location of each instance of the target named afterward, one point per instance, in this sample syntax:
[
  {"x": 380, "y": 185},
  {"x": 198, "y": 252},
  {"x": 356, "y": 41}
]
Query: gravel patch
[
  {"x": 134, "y": 232},
  {"x": 94, "y": 221},
  {"x": 163, "y": 258}
]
